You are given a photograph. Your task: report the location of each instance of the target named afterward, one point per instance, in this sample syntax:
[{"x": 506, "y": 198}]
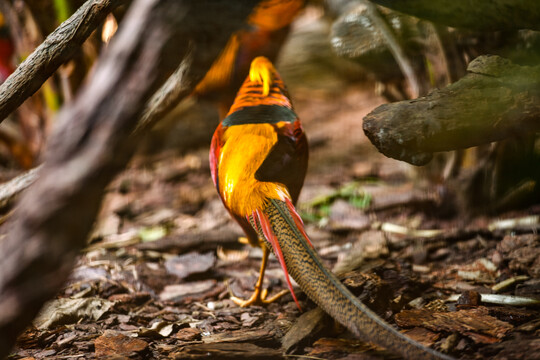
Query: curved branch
[{"x": 496, "y": 100}]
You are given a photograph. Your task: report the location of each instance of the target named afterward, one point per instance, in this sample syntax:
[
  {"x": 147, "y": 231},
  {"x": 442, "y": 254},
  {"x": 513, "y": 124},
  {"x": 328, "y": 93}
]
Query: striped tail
[{"x": 285, "y": 235}]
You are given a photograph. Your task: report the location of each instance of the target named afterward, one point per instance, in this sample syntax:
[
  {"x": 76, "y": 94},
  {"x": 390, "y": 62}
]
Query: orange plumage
[{"x": 259, "y": 151}]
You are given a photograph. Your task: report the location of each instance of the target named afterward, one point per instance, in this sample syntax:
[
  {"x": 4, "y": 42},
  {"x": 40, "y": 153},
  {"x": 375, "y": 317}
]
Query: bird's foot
[
  {"x": 259, "y": 294},
  {"x": 258, "y": 298}
]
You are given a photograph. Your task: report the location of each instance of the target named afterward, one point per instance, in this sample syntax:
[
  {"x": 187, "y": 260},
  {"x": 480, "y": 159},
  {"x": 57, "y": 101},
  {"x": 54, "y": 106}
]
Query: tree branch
[
  {"x": 496, "y": 100},
  {"x": 10, "y": 189},
  {"x": 164, "y": 100},
  {"x": 93, "y": 141},
  {"x": 477, "y": 15},
  {"x": 57, "y": 48}
]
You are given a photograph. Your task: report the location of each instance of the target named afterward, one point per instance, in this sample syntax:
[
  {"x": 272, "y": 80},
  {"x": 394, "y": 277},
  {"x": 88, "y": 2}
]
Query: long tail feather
[
  {"x": 324, "y": 288},
  {"x": 261, "y": 224}
]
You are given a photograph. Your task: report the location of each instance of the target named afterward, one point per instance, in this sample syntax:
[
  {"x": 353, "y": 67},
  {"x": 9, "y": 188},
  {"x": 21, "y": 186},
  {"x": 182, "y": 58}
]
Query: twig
[
  {"x": 531, "y": 222},
  {"x": 167, "y": 97},
  {"x": 413, "y": 233},
  {"x": 502, "y": 299},
  {"x": 508, "y": 282},
  {"x": 10, "y": 189}
]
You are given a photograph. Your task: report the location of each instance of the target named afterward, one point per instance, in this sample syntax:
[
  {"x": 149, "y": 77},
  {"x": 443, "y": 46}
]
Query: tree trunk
[{"x": 94, "y": 140}]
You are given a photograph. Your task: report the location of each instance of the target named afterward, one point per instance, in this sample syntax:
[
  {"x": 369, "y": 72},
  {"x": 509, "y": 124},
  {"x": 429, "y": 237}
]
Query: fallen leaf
[
  {"x": 180, "y": 291},
  {"x": 69, "y": 311},
  {"x": 157, "y": 330},
  {"x": 190, "y": 263}
]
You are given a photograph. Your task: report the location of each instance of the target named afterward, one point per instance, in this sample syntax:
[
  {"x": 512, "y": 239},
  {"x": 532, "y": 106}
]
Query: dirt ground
[{"x": 156, "y": 277}]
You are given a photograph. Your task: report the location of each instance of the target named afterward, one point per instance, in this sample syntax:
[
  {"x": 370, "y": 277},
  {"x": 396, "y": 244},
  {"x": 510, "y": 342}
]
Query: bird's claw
[{"x": 258, "y": 298}]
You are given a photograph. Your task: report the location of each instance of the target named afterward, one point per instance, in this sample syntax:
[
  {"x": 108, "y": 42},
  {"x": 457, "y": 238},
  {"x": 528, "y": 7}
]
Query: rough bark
[
  {"x": 12, "y": 188},
  {"x": 494, "y": 101},
  {"x": 57, "y": 48},
  {"x": 94, "y": 140},
  {"x": 476, "y": 15}
]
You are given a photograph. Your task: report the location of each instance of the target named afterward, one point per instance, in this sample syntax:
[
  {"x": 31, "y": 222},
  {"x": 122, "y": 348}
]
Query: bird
[
  {"x": 263, "y": 34},
  {"x": 259, "y": 150},
  {"x": 258, "y": 160}
]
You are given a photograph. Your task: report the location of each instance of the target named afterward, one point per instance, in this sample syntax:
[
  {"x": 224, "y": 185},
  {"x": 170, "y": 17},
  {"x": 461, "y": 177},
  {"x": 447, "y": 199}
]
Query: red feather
[{"x": 262, "y": 219}]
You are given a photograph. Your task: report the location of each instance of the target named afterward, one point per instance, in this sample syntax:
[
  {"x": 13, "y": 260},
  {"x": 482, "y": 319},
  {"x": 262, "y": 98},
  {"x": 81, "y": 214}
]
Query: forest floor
[{"x": 156, "y": 277}]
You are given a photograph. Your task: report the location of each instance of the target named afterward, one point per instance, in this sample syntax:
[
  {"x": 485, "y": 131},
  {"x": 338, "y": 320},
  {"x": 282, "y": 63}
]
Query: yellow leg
[{"x": 259, "y": 294}]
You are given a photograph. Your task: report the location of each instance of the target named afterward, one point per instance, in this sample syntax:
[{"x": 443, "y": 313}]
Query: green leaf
[
  {"x": 361, "y": 201},
  {"x": 152, "y": 233}
]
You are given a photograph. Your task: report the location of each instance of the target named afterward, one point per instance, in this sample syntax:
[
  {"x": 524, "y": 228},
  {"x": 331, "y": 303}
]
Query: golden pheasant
[
  {"x": 258, "y": 162},
  {"x": 263, "y": 35},
  {"x": 259, "y": 148}
]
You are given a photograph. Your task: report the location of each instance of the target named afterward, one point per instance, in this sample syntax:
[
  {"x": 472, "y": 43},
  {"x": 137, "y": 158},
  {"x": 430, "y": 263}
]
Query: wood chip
[
  {"x": 508, "y": 282},
  {"x": 503, "y": 299},
  {"x": 260, "y": 337},
  {"x": 137, "y": 298},
  {"x": 512, "y": 315},
  {"x": 227, "y": 351},
  {"x": 248, "y": 320},
  {"x": 328, "y": 348},
  {"x": 307, "y": 326},
  {"x": 476, "y": 323},
  {"x": 188, "y": 334},
  {"x": 532, "y": 222},
  {"x": 115, "y": 343},
  {"x": 470, "y": 298},
  {"x": 423, "y": 336}
]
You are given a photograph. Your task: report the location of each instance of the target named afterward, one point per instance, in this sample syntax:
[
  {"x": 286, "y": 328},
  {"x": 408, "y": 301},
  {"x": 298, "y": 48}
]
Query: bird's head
[
  {"x": 262, "y": 72},
  {"x": 263, "y": 86}
]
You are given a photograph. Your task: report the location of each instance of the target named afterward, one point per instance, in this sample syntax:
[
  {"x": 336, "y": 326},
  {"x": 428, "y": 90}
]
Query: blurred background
[
  {"x": 340, "y": 61},
  {"x": 336, "y": 62}
]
